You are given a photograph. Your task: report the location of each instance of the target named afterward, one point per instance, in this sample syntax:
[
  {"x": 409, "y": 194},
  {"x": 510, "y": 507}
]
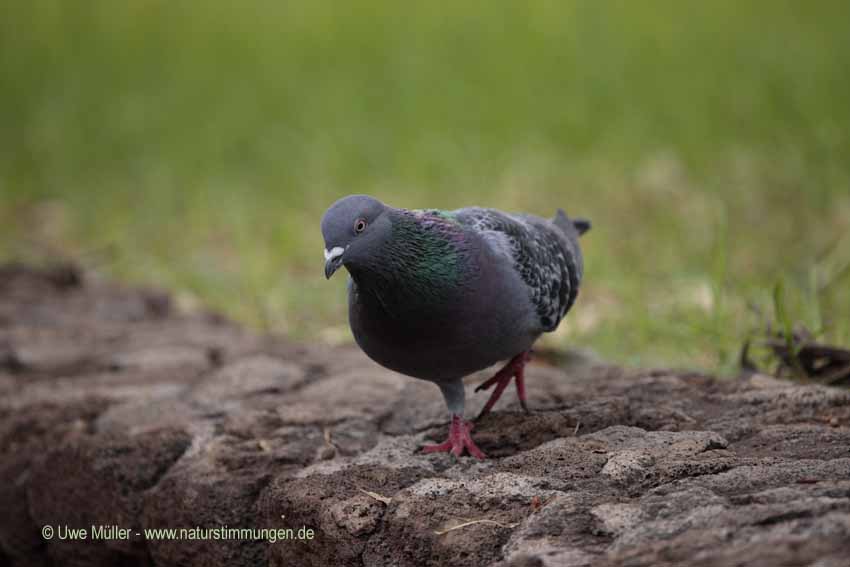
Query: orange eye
[{"x": 359, "y": 225}]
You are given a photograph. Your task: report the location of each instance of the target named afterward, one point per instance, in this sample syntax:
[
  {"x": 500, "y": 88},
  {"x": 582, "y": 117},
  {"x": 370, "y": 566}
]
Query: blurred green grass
[{"x": 195, "y": 145}]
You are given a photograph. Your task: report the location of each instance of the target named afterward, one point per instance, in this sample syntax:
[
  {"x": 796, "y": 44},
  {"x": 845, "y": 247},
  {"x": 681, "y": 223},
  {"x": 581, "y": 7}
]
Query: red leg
[
  {"x": 502, "y": 383},
  {"x": 514, "y": 368},
  {"x": 520, "y": 385},
  {"x": 459, "y": 439}
]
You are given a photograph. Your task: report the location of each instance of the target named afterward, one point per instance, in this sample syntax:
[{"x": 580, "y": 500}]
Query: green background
[{"x": 195, "y": 145}]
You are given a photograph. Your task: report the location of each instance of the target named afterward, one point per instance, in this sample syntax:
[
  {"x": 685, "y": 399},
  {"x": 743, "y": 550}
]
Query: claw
[
  {"x": 514, "y": 368},
  {"x": 458, "y": 441}
]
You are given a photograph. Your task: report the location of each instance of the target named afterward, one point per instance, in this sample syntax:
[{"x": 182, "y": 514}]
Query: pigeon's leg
[
  {"x": 459, "y": 439},
  {"x": 514, "y": 368},
  {"x": 459, "y": 430}
]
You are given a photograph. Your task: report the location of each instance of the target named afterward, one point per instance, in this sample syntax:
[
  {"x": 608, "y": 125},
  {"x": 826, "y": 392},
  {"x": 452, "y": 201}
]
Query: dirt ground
[{"x": 116, "y": 409}]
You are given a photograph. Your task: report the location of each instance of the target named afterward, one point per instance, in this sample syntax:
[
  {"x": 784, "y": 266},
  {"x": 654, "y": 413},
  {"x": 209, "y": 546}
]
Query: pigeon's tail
[{"x": 567, "y": 224}]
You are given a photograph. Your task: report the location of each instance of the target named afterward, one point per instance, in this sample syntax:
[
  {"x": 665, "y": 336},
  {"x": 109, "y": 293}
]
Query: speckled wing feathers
[{"x": 546, "y": 257}]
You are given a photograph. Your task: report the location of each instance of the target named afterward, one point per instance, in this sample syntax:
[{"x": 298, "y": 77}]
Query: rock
[
  {"x": 101, "y": 480},
  {"x": 119, "y": 409}
]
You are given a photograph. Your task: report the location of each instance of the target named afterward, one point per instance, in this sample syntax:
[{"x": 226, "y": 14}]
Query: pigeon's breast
[{"x": 486, "y": 322}]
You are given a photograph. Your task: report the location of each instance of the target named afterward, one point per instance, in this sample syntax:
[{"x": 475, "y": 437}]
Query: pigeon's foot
[
  {"x": 459, "y": 439},
  {"x": 514, "y": 368}
]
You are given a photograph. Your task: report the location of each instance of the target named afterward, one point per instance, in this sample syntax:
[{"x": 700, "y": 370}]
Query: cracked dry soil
[{"x": 118, "y": 409}]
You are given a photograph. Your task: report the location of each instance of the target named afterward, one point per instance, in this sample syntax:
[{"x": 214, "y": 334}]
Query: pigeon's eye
[{"x": 359, "y": 225}]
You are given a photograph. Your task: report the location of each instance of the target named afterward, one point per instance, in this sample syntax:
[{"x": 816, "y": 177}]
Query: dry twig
[
  {"x": 380, "y": 498},
  {"x": 468, "y": 522}
]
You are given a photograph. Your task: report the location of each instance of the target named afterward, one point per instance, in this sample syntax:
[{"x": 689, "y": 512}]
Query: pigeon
[{"x": 438, "y": 295}]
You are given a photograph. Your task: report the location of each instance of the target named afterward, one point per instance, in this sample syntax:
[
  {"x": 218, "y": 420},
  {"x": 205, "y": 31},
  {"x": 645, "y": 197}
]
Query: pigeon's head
[{"x": 352, "y": 228}]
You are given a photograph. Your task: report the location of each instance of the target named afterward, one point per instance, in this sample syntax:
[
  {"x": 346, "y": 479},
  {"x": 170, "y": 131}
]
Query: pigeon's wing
[{"x": 545, "y": 255}]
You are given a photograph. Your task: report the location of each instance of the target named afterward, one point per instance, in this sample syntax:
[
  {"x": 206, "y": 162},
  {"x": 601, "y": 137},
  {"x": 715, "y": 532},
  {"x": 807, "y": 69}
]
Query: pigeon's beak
[{"x": 333, "y": 260}]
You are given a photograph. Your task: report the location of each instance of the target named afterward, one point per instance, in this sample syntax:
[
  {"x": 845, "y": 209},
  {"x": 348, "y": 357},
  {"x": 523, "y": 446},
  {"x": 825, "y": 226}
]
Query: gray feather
[{"x": 544, "y": 253}]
